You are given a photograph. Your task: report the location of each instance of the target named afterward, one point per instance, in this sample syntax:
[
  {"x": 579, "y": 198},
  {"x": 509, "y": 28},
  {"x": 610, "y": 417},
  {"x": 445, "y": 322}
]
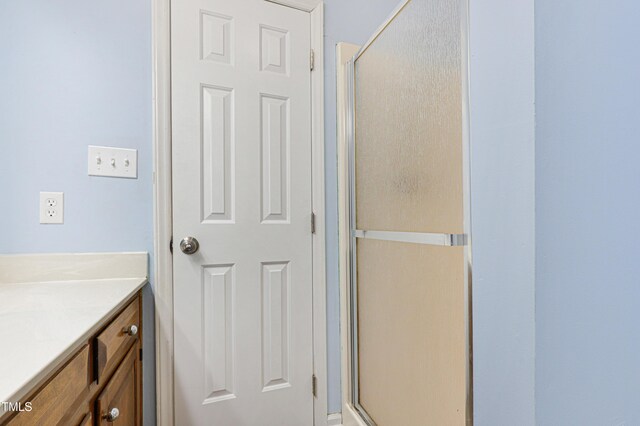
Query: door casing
[{"x": 163, "y": 269}]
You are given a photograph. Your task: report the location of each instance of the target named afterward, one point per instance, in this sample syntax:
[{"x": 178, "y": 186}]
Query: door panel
[
  {"x": 275, "y": 147},
  {"x": 217, "y": 154},
  {"x": 218, "y": 335},
  {"x": 276, "y": 323},
  {"x": 242, "y": 186}
]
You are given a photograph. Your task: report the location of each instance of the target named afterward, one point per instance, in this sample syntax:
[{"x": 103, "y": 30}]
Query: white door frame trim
[
  {"x": 318, "y": 205},
  {"x": 344, "y": 53},
  {"x": 162, "y": 210},
  {"x": 163, "y": 262}
]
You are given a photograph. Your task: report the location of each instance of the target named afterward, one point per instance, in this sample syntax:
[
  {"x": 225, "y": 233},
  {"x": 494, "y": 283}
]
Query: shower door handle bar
[{"x": 448, "y": 240}]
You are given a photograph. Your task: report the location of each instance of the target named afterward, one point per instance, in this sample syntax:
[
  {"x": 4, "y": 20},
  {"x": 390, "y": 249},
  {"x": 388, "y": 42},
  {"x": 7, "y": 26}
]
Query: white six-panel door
[{"x": 241, "y": 141}]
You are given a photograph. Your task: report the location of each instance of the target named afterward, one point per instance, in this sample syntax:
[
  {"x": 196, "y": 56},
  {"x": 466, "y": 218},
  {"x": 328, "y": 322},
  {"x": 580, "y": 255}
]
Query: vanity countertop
[{"x": 43, "y": 322}]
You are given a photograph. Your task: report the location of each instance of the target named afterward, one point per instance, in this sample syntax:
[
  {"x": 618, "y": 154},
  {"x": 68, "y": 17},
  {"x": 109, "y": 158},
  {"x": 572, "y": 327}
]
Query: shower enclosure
[{"x": 410, "y": 258}]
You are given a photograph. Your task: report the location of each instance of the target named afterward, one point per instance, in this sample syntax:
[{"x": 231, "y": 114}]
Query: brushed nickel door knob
[{"x": 189, "y": 245}]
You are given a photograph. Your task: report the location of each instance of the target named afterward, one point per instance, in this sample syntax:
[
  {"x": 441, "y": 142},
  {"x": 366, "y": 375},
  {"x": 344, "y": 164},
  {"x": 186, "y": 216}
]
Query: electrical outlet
[{"x": 51, "y": 207}]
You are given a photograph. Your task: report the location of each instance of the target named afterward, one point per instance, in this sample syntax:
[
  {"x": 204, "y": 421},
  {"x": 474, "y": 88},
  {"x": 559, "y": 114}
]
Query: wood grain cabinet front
[
  {"x": 101, "y": 384},
  {"x": 114, "y": 341},
  {"x": 87, "y": 420},
  {"x": 62, "y": 391},
  {"x": 119, "y": 402}
]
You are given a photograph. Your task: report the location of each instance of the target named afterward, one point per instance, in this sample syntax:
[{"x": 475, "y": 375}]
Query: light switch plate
[
  {"x": 113, "y": 162},
  {"x": 51, "y": 207}
]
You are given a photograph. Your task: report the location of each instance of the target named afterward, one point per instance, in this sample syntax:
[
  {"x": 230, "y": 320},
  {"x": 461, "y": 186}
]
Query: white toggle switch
[{"x": 121, "y": 162}]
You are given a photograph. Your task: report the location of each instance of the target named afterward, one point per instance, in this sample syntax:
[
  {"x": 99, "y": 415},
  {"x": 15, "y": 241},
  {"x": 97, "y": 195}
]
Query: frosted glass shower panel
[
  {"x": 408, "y": 123},
  {"x": 411, "y": 333}
]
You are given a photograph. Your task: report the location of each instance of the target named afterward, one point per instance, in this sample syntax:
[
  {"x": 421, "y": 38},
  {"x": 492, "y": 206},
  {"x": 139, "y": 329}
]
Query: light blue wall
[
  {"x": 502, "y": 210},
  {"x": 352, "y": 21},
  {"x": 75, "y": 73},
  {"x": 588, "y": 198}
]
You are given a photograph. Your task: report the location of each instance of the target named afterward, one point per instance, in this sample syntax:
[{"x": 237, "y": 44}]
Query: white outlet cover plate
[
  {"x": 51, "y": 207},
  {"x": 113, "y": 162}
]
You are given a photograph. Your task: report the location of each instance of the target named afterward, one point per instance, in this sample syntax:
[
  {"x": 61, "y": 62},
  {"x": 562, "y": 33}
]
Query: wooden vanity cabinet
[{"x": 101, "y": 384}]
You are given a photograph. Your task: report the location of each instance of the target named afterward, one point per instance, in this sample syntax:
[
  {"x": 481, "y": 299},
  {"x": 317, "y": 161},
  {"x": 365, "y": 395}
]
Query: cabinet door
[{"x": 120, "y": 403}]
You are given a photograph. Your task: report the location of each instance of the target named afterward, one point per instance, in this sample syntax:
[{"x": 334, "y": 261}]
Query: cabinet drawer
[
  {"x": 59, "y": 395},
  {"x": 114, "y": 341}
]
